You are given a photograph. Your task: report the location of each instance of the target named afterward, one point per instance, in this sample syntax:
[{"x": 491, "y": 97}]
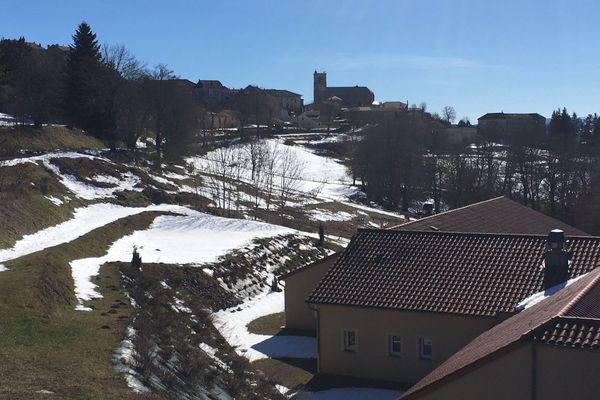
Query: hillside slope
[{"x": 76, "y": 314}]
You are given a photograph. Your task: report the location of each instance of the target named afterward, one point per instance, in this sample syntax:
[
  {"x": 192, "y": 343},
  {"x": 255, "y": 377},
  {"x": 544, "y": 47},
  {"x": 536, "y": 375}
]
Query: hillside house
[
  {"x": 309, "y": 119},
  {"x": 396, "y": 304},
  {"x": 500, "y": 126},
  {"x": 549, "y": 351},
  {"x": 213, "y": 94},
  {"x": 285, "y": 100},
  {"x": 299, "y": 283},
  {"x": 497, "y": 215}
]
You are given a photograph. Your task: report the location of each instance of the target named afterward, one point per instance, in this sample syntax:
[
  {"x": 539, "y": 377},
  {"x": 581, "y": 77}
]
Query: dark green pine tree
[{"x": 83, "y": 73}]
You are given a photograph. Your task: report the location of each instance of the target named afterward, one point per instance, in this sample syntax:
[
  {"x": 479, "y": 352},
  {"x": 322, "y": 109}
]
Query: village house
[
  {"x": 213, "y": 94},
  {"x": 500, "y": 126},
  {"x": 397, "y": 303},
  {"x": 549, "y": 351},
  {"x": 497, "y": 215},
  {"x": 309, "y": 119},
  {"x": 285, "y": 100}
]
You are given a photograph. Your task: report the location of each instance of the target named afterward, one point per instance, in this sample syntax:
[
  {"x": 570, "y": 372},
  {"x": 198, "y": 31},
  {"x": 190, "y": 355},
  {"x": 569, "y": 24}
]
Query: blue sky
[{"x": 478, "y": 56}]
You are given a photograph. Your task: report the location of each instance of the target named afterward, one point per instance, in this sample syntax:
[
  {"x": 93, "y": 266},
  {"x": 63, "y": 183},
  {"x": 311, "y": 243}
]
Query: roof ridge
[
  {"x": 579, "y": 296},
  {"x": 491, "y": 234},
  {"x": 446, "y": 212}
]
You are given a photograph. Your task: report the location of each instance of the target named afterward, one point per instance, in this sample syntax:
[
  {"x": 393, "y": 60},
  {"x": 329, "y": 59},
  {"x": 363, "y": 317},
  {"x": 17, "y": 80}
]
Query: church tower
[{"x": 320, "y": 87}]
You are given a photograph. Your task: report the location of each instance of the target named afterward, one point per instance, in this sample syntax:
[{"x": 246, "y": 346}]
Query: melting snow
[
  {"x": 123, "y": 358},
  {"x": 326, "y": 215},
  {"x": 3, "y": 268},
  {"x": 194, "y": 238},
  {"x": 81, "y": 189},
  {"x": 231, "y": 323},
  {"x": 84, "y": 220},
  {"x": 54, "y": 200},
  {"x": 537, "y": 297},
  {"x": 212, "y": 353},
  {"x": 321, "y": 176},
  {"x": 85, "y": 191}
]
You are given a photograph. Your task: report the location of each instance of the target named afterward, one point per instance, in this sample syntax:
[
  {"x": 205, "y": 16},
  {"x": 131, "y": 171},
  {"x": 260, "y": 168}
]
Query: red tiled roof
[
  {"x": 551, "y": 312},
  {"x": 449, "y": 272},
  {"x": 570, "y": 332},
  {"x": 497, "y": 215},
  {"x": 308, "y": 266}
]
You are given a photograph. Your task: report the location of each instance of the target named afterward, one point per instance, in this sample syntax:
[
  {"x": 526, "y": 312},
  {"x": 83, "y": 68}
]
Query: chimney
[{"x": 556, "y": 260}]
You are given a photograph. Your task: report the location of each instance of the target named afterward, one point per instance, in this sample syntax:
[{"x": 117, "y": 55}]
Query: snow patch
[
  {"x": 326, "y": 215},
  {"x": 123, "y": 357},
  {"x": 3, "y": 268},
  {"x": 195, "y": 238},
  {"x": 544, "y": 294},
  {"x": 54, "y": 200},
  {"x": 232, "y": 323},
  {"x": 85, "y": 220}
]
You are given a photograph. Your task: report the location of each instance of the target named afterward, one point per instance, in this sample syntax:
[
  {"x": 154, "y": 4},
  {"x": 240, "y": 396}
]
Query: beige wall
[
  {"x": 372, "y": 360},
  {"x": 567, "y": 373},
  {"x": 561, "y": 374},
  {"x": 297, "y": 288},
  {"x": 508, "y": 377}
]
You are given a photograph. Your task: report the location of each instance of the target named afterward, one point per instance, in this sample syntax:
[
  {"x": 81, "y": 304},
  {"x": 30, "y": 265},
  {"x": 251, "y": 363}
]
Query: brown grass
[
  {"x": 45, "y": 344},
  {"x": 289, "y": 372},
  {"x": 268, "y": 324},
  {"x": 47, "y": 138},
  {"x": 23, "y": 206}
]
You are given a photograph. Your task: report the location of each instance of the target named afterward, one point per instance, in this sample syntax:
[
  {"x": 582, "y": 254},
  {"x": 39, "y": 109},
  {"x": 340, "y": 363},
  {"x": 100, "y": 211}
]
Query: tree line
[
  {"x": 104, "y": 90},
  {"x": 405, "y": 162}
]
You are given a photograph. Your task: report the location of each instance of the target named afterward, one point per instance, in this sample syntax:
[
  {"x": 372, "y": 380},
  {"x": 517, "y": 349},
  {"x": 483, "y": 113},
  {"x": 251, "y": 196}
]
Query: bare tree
[
  {"x": 290, "y": 171},
  {"x": 119, "y": 59},
  {"x": 271, "y": 161},
  {"x": 449, "y": 114},
  {"x": 219, "y": 171}
]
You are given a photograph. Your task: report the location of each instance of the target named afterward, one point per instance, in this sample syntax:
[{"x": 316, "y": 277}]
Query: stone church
[{"x": 351, "y": 96}]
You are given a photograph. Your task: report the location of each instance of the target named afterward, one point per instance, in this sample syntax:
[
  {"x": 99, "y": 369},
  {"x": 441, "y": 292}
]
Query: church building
[{"x": 351, "y": 96}]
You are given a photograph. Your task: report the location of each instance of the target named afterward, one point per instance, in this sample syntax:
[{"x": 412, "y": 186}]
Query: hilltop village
[{"x": 335, "y": 108}]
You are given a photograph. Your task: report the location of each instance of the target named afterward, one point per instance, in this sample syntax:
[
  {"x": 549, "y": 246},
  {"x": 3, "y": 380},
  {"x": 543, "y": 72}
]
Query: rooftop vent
[
  {"x": 556, "y": 260},
  {"x": 427, "y": 209}
]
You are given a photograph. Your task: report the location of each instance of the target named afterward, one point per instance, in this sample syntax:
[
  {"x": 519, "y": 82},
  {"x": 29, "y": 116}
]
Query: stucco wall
[
  {"x": 561, "y": 374},
  {"x": 372, "y": 360},
  {"x": 508, "y": 377},
  {"x": 567, "y": 373},
  {"x": 297, "y": 288}
]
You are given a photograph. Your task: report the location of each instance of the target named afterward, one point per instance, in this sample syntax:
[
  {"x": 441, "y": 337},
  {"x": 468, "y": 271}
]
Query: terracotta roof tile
[
  {"x": 570, "y": 332},
  {"x": 463, "y": 273},
  {"x": 497, "y": 215}
]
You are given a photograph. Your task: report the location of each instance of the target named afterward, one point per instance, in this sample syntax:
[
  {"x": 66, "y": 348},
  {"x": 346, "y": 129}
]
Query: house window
[
  {"x": 395, "y": 345},
  {"x": 425, "y": 348},
  {"x": 349, "y": 340}
]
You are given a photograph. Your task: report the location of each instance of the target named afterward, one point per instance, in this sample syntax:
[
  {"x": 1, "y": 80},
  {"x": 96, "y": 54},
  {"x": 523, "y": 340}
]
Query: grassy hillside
[
  {"x": 44, "y": 343},
  {"x": 15, "y": 140},
  {"x": 25, "y": 205}
]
